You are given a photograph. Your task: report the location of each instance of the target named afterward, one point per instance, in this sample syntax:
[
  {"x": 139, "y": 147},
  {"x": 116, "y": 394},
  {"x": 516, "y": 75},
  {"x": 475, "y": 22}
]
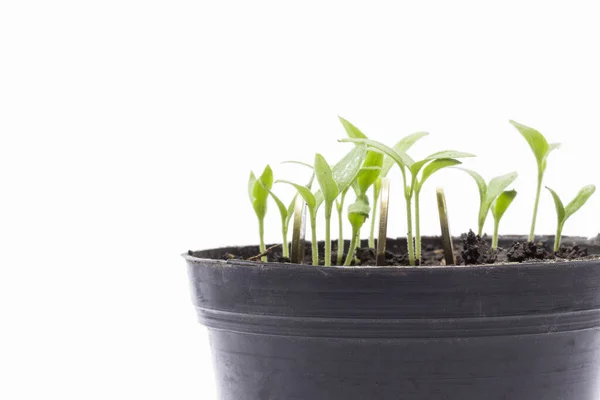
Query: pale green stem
[
  {"x": 357, "y": 243},
  {"x": 328, "y": 241},
  {"x": 558, "y": 238},
  {"x": 286, "y": 250},
  {"x": 340, "y": 252},
  {"x": 409, "y": 235},
  {"x": 350, "y": 254},
  {"x": 372, "y": 235},
  {"x": 417, "y": 228},
  {"x": 261, "y": 233},
  {"x": 341, "y": 238},
  {"x": 535, "y": 207},
  {"x": 495, "y": 238},
  {"x": 314, "y": 244}
]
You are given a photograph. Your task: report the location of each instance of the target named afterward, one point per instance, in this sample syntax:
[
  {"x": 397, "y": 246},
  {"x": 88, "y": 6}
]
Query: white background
[{"x": 128, "y": 129}]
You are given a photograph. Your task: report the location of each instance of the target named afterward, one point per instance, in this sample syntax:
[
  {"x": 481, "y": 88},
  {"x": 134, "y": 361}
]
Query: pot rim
[{"x": 404, "y": 268}]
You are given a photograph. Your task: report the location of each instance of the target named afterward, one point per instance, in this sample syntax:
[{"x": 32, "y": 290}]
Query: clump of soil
[
  {"x": 522, "y": 251},
  {"x": 368, "y": 257},
  {"x": 571, "y": 252},
  {"x": 476, "y": 250}
]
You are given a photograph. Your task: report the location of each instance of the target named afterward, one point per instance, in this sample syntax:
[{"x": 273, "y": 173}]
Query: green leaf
[
  {"x": 497, "y": 185},
  {"x": 537, "y": 142},
  {"x": 433, "y": 167},
  {"x": 346, "y": 170},
  {"x": 308, "y": 197},
  {"x": 481, "y": 185},
  {"x": 503, "y": 201},
  {"x": 408, "y": 141},
  {"x": 416, "y": 167},
  {"x": 370, "y": 170},
  {"x": 358, "y": 212},
  {"x": 352, "y": 130},
  {"x": 402, "y": 146},
  {"x": 283, "y": 210},
  {"x": 290, "y": 210},
  {"x": 560, "y": 209},
  {"x": 251, "y": 182},
  {"x": 579, "y": 200},
  {"x": 259, "y": 193},
  {"x": 401, "y": 158},
  {"x": 449, "y": 154},
  {"x": 551, "y": 148},
  {"x": 329, "y": 188}
]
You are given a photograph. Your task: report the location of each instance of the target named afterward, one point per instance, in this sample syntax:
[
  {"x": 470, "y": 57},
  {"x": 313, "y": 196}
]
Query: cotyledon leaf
[
  {"x": 402, "y": 146},
  {"x": 502, "y": 203},
  {"x": 579, "y": 200},
  {"x": 329, "y": 189},
  {"x": 433, "y": 167}
]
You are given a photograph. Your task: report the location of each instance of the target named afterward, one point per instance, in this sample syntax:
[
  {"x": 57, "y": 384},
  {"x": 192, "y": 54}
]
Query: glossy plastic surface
[{"x": 286, "y": 332}]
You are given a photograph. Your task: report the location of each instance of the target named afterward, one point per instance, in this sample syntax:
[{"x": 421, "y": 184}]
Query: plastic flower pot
[{"x": 508, "y": 331}]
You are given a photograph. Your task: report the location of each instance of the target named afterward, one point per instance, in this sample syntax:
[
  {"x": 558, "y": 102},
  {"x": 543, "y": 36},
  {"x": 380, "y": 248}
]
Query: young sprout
[
  {"x": 358, "y": 212},
  {"x": 258, "y": 193},
  {"x": 435, "y": 162},
  {"x": 286, "y": 216},
  {"x": 339, "y": 205},
  {"x": 311, "y": 204},
  {"x": 369, "y": 174},
  {"x": 488, "y": 193},
  {"x": 499, "y": 207},
  {"x": 541, "y": 149},
  {"x": 563, "y": 213},
  {"x": 330, "y": 192},
  {"x": 384, "y": 165},
  {"x": 286, "y": 213},
  {"x": 342, "y": 174}
]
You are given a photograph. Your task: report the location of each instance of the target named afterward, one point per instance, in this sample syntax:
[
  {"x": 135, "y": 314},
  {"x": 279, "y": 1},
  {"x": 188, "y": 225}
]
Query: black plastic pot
[{"x": 514, "y": 332}]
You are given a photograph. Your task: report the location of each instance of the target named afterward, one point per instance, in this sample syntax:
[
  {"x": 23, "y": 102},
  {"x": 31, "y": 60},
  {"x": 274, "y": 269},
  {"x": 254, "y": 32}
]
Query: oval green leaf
[
  {"x": 401, "y": 158},
  {"x": 259, "y": 194},
  {"x": 579, "y": 200},
  {"x": 503, "y": 201},
  {"x": 560, "y": 209},
  {"x": 370, "y": 170},
  {"x": 402, "y": 146},
  {"x": 352, "y": 130},
  {"x": 433, "y": 167},
  {"x": 497, "y": 185},
  {"x": 537, "y": 142},
  {"x": 329, "y": 188},
  {"x": 308, "y": 197}
]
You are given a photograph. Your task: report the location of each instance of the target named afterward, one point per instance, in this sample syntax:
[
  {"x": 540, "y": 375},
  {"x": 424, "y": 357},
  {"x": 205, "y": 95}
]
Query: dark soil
[{"x": 469, "y": 249}]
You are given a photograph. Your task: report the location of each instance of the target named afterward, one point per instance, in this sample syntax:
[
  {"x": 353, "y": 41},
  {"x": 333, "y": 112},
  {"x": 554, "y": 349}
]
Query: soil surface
[{"x": 469, "y": 249}]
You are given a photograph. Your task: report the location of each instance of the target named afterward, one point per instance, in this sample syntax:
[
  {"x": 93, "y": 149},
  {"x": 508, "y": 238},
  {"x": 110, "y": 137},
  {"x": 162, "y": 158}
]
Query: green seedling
[
  {"x": 374, "y": 159},
  {"x": 414, "y": 183},
  {"x": 311, "y": 204},
  {"x": 258, "y": 192},
  {"x": 286, "y": 213},
  {"x": 369, "y": 174},
  {"x": 563, "y": 213},
  {"x": 342, "y": 174},
  {"x": 499, "y": 207},
  {"x": 488, "y": 193},
  {"x": 339, "y": 205},
  {"x": 541, "y": 149},
  {"x": 330, "y": 192},
  {"x": 358, "y": 212}
]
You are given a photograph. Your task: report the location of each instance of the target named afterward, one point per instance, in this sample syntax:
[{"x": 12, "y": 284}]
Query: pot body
[{"x": 285, "y": 331}]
